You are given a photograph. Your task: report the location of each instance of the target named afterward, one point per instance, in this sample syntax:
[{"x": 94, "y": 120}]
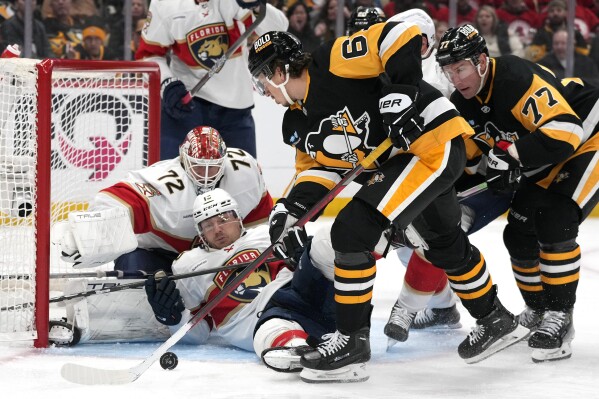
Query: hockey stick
[
  {"x": 472, "y": 191},
  {"x": 218, "y": 65},
  {"x": 87, "y": 375},
  {"x": 137, "y": 284}
]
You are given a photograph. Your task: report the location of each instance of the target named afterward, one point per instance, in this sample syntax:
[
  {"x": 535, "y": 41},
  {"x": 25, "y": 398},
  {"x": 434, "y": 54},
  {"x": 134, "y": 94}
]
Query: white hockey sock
[
  {"x": 443, "y": 299},
  {"x": 413, "y": 300}
]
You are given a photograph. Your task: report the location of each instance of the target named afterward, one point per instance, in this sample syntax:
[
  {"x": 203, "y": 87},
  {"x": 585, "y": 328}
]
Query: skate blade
[
  {"x": 550, "y": 355},
  {"x": 282, "y": 361},
  {"x": 350, "y": 373},
  {"x": 446, "y": 326},
  {"x": 519, "y": 333},
  {"x": 390, "y": 343}
]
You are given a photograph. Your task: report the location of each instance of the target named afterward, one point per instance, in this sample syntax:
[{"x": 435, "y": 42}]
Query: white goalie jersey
[
  {"x": 235, "y": 317},
  {"x": 198, "y": 34},
  {"x": 160, "y": 199}
]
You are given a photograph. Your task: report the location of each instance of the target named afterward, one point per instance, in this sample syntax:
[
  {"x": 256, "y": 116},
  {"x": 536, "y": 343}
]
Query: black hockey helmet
[
  {"x": 271, "y": 46},
  {"x": 462, "y": 43},
  {"x": 363, "y": 17}
]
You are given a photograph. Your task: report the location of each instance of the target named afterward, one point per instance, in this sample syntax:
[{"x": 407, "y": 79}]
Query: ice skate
[
  {"x": 493, "y": 333},
  {"x": 552, "y": 339},
  {"x": 285, "y": 359},
  {"x": 398, "y": 326},
  {"x": 340, "y": 358},
  {"x": 437, "y": 318}
]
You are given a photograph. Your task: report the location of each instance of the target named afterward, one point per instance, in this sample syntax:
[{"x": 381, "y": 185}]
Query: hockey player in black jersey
[
  {"x": 344, "y": 112},
  {"x": 540, "y": 138}
]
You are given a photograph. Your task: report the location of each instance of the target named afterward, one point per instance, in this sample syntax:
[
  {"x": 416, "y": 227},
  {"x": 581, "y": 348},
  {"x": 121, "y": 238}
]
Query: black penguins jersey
[
  {"x": 338, "y": 122},
  {"x": 527, "y": 105}
]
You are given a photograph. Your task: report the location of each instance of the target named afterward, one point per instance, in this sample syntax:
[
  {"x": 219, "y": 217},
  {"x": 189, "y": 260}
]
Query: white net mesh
[{"x": 99, "y": 131}]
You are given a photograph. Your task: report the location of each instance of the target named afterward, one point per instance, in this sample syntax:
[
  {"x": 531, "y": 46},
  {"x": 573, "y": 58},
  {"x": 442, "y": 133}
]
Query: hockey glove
[
  {"x": 165, "y": 300},
  {"x": 400, "y": 116},
  {"x": 503, "y": 170},
  {"x": 281, "y": 220},
  {"x": 172, "y": 99}
]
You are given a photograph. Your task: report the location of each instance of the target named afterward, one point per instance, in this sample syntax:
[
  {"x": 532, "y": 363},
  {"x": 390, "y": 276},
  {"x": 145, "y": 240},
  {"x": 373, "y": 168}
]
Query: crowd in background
[{"x": 533, "y": 29}]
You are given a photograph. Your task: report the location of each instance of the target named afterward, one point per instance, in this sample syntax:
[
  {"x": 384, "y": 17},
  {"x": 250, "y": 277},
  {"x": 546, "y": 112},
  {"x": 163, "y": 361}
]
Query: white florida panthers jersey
[
  {"x": 198, "y": 33},
  {"x": 160, "y": 199},
  {"x": 234, "y": 318}
]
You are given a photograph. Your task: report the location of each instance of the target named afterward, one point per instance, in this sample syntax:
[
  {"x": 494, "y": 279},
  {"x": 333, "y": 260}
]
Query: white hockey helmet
[
  {"x": 423, "y": 21},
  {"x": 203, "y": 155},
  {"x": 215, "y": 203}
]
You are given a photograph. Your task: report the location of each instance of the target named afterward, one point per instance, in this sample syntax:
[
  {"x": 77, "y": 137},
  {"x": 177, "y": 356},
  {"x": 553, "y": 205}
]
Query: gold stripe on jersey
[
  {"x": 543, "y": 103},
  {"x": 372, "y": 63},
  {"x": 420, "y": 173}
]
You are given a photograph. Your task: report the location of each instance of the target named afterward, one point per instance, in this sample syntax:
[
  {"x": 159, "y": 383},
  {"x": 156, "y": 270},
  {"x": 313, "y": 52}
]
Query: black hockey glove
[
  {"x": 248, "y": 3},
  {"x": 293, "y": 246},
  {"x": 281, "y": 220},
  {"x": 165, "y": 300},
  {"x": 503, "y": 170},
  {"x": 400, "y": 116},
  {"x": 174, "y": 91}
]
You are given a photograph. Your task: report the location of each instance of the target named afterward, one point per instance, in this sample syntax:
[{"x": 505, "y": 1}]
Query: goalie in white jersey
[
  {"x": 248, "y": 318},
  {"x": 144, "y": 221}
]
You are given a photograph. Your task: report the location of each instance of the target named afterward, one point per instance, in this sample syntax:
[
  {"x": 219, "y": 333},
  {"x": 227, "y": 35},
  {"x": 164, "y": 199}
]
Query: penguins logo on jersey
[
  {"x": 252, "y": 285},
  {"x": 208, "y": 43},
  {"x": 340, "y": 141},
  {"x": 494, "y": 134}
]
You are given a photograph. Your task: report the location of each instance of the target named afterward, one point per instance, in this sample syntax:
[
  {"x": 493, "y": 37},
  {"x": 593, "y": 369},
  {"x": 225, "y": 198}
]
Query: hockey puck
[{"x": 169, "y": 361}]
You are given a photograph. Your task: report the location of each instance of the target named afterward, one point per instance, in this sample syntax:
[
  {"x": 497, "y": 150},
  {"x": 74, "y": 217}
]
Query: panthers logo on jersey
[
  {"x": 340, "y": 142},
  {"x": 208, "y": 43},
  {"x": 252, "y": 285}
]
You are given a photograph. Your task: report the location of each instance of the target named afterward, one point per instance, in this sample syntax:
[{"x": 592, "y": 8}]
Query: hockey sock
[
  {"x": 528, "y": 279},
  {"x": 560, "y": 273}
]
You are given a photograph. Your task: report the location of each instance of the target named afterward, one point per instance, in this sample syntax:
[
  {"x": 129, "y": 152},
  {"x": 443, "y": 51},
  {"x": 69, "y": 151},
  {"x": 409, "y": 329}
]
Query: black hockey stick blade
[{"x": 87, "y": 375}]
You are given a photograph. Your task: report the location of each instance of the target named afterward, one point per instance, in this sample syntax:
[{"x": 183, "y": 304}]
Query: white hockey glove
[{"x": 91, "y": 239}]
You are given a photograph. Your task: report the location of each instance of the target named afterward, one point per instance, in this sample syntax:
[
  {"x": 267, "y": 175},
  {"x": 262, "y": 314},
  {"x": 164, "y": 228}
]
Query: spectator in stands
[
  {"x": 520, "y": 19},
  {"x": 92, "y": 46},
  {"x": 139, "y": 11},
  {"x": 84, "y": 8},
  {"x": 466, "y": 13},
  {"x": 584, "y": 67},
  {"x": 585, "y": 20},
  {"x": 394, "y": 7},
  {"x": 299, "y": 25},
  {"x": 324, "y": 29},
  {"x": 440, "y": 28},
  {"x": 6, "y": 10},
  {"x": 63, "y": 27},
  {"x": 136, "y": 37},
  {"x": 556, "y": 19},
  {"x": 499, "y": 40},
  {"x": 13, "y": 32}
]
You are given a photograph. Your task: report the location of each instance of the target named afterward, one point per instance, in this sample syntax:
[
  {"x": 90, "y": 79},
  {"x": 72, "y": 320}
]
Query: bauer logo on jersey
[
  {"x": 340, "y": 141},
  {"x": 252, "y": 285},
  {"x": 208, "y": 43}
]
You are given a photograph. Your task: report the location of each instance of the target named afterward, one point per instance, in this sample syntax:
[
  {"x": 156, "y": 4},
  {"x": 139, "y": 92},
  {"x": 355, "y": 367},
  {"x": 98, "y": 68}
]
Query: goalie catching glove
[
  {"x": 165, "y": 299},
  {"x": 289, "y": 239},
  {"x": 400, "y": 116}
]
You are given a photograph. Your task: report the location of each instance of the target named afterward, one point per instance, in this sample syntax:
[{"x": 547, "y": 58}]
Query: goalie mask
[
  {"x": 217, "y": 220},
  {"x": 203, "y": 155}
]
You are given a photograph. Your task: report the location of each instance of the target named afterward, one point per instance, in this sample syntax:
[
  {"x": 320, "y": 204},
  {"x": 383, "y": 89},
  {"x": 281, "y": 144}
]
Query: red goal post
[{"x": 68, "y": 128}]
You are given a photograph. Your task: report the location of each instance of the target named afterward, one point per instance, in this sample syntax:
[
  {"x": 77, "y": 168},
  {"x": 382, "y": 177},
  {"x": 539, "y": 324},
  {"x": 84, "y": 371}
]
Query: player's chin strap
[
  {"x": 281, "y": 86},
  {"x": 483, "y": 75}
]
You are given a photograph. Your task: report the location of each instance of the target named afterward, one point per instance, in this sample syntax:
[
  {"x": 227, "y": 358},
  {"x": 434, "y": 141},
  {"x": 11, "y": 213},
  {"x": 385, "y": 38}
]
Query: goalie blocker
[{"x": 91, "y": 239}]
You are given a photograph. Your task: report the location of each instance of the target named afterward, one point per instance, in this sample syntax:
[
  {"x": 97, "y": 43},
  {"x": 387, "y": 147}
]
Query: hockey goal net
[{"x": 67, "y": 129}]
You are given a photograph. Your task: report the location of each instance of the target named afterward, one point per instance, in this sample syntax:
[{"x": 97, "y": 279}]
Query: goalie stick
[
  {"x": 136, "y": 284},
  {"x": 88, "y": 375},
  {"x": 218, "y": 65}
]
